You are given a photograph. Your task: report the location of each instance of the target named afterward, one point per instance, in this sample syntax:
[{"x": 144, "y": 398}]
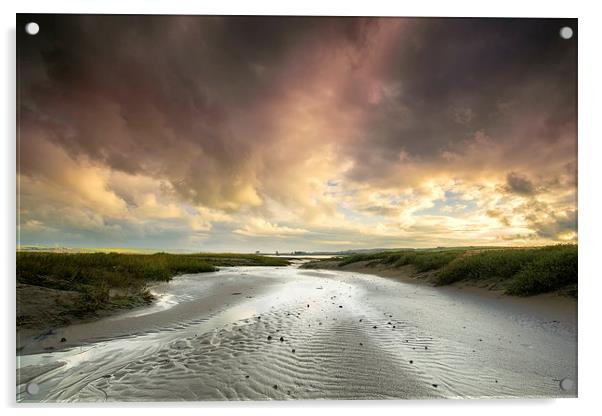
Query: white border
[{"x": 590, "y": 68}]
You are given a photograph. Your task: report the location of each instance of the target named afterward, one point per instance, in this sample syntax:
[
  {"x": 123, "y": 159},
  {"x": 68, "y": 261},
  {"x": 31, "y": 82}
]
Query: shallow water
[{"x": 344, "y": 335}]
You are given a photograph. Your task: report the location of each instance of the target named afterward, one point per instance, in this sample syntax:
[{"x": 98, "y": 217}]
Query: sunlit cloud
[{"x": 245, "y": 133}]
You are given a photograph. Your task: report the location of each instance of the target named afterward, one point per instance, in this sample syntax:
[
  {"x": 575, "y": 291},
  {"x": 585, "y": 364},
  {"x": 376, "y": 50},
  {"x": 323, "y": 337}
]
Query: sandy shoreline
[
  {"x": 44, "y": 312},
  {"x": 557, "y": 304},
  {"x": 282, "y": 333}
]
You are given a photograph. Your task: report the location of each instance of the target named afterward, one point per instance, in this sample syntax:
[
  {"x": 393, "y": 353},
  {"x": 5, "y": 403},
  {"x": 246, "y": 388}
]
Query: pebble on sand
[
  {"x": 340, "y": 306},
  {"x": 435, "y": 385},
  {"x": 374, "y": 327},
  {"x": 247, "y": 376},
  {"x": 63, "y": 339},
  {"x": 275, "y": 387},
  {"x": 293, "y": 350},
  {"x": 281, "y": 339},
  {"x": 269, "y": 337},
  {"x": 411, "y": 361}
]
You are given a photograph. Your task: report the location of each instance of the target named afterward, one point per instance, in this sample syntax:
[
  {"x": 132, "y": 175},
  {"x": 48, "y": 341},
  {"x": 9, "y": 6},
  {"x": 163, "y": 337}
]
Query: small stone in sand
[
  {"x": 411, "y": 361},
  {"x": 293, "y": 350},
  {"x": 340, "y": 306},
  {"x": 269, "y": 337},
  {"x": 247, "y": 376},
  {"x": 63, "y": 339},
  {"x": 308, "y": 306},
  {"x": 435, "y": 385},
  {"x": 276, "y": 387},
  {"x": 360, "y": 320},
  {"x": 281, "y": 339},
  {"x": 393, "y": 326},
  {"x": 426, "y": 348},
  {"x": 374, "y": 327},
  {"x": 361, "y": 343}
]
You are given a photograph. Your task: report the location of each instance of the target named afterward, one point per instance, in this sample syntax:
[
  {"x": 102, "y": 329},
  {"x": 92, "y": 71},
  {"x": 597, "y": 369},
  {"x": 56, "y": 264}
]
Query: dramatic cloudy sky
[{"x": 293, "y": 133}]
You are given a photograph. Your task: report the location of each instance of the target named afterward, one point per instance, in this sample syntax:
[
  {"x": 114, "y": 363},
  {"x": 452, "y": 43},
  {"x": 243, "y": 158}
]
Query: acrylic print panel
[{"x": 256, "y": 208}]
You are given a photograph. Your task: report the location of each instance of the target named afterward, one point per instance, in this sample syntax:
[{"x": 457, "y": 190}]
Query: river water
[{"x": 282, "y": 333}]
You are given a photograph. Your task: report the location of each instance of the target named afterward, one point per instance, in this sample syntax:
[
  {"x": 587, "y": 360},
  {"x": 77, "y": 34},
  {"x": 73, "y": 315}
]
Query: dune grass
[
  {"x": 522, "y": 271},
  {"x": 526, "y": 271},
  {"x": 108, "y": 280},
  {"x": 422, "y": 260}
]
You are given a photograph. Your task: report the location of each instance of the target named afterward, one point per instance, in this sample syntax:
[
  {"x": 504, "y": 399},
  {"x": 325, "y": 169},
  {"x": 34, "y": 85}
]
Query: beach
[{"x": 282, "y": 333}]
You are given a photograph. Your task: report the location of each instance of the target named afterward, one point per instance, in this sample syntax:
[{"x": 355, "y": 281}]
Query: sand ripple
[{"x": 313, "y": 335}]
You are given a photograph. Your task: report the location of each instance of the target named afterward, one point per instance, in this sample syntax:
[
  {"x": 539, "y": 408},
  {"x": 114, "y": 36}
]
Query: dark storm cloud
[
  {"x": 565, "y": 223},
  {"x": 181, "y": 97},
  {"x": 153, "y": 80},
  {"x": 519, "y": 184},
  {"x": 245, "y": 124},
  {"x": 513, "y": 79}
]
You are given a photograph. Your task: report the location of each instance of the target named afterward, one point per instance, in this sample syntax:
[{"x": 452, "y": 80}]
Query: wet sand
[
  {"x": 281, "y": 333},
  {"x": 548, "y": 305}
]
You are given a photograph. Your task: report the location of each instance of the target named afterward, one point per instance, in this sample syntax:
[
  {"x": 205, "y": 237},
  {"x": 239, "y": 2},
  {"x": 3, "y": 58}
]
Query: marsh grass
[
  {"x": 522, "y": 271},
  {"x": 67, "y": 271},
  {"x": 114, "y": 280},
  {"x": 526, "y": 271},
  {"x": 422, "y": 260}
]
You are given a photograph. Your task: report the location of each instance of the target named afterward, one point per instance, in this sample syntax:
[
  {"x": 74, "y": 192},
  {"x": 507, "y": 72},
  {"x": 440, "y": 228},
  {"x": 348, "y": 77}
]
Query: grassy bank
[
  {"x": 82, "y": 284},
  {"x": 520, "y": 271}
]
